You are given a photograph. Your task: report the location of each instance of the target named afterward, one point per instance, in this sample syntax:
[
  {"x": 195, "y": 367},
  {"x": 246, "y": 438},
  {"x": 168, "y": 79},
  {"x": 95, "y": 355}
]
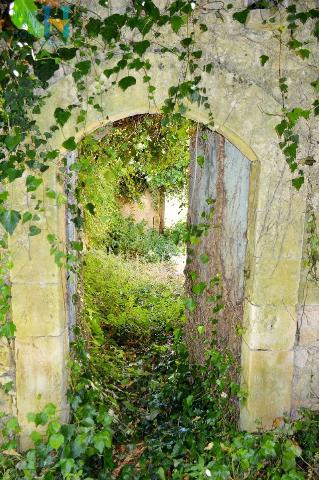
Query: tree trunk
[
  {"x": 161, "y": 210},
  {"x": 218, "y": 205}
]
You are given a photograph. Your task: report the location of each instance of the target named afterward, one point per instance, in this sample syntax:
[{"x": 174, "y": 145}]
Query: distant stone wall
[{"x": 144, "y": 210}]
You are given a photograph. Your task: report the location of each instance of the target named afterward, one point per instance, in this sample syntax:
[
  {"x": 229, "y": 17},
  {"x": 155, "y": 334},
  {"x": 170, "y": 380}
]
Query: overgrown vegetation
[
  {"x": 141, "y": 411},
  {"x": 136, "y": 155},
  {"x": 157, "y": 416},
  {"x": 129, "y": 297}
]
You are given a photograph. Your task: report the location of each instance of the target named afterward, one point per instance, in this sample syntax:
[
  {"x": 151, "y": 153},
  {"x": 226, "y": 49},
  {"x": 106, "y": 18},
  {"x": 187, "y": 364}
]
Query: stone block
[
  {"x": 280, "y": 238},
  {"x": 308, "y": 290},
  {"x": 41, "y": 378},
  {"x": 274, "y": 282},
  {"x": 267, "y": 377},
  {"x": 306, "y": 377},
  {"x": 32, "y": 262},
  {"x": 38, "y": 310},
  {"x": 308, "y": 324},
  {"x": 269, "y": 327},
  {"x": 6, "y": 404}
]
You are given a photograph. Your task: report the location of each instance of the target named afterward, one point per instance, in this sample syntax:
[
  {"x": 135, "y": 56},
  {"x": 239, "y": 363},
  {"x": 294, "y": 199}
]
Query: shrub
[
  {"x": 125, "y": 295},
  {"x": 133, "y": 240}
]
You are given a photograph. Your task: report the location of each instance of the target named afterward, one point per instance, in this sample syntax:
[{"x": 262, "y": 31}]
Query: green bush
[
  {"x": 126, "y": 295},
  {"x": 134, "y": 240}
]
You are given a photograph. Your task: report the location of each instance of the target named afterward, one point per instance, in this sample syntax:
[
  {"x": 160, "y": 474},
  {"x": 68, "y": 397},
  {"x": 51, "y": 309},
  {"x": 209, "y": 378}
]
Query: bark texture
[{"x": 218, "y": 204}]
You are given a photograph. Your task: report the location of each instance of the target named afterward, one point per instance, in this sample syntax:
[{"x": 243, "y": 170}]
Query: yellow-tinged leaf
[
  {"x": 209, "y": 446},
  {"x": 58, "y": 23},
  {"x": 11, "y": 453}
]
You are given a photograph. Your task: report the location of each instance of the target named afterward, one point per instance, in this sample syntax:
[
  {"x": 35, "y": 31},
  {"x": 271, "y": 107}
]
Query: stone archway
[{"x": 275, "y": 245}]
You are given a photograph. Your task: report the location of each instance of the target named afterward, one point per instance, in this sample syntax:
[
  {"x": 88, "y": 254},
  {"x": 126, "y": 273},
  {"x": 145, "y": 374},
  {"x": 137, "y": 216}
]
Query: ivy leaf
[
  {"x": 190, "y": 304},
  {"x": 61, "y": 116},
  {"x": 69, "y": 144},
  {"x": 93, "y": 27},
  {"x": 127, "y": 82},
  {"x": 34, "y": 230},
  {"x": 204, "y": 258},
  {"x": 52, "y": 154},
  {"x": 186, "y": 42},
  {"x": 102, "y": 440},
  {"x": 315, "y": 85},
  {"x": 91, "y": 208},
  {"x": 24, "y": 17},
  {"x": 45, "y": 68},
  {"x": 241, "y": 16},
  {"x": 56, "y": 440},
  {"x": 4, "y": 196},
  {"x": 309, "y": 160},
  {"x": 32, "y": 183},
  {"x": 200, "y": 160},
  {"x": 141, "y": 47},
  {"x": 7, "y": 387},
  {"x": 298, "y": 182},
  {"x": 82, "y": 68},
  {"x": 264, "y": 59},
  {"x": 316, "y": 107},
  {"x": 281, "y": 127},
  {"x": 27, "y": 216},
  {"x": 77, "y": 246},
  {"x": 112, "y": 27},
  {"x": 54, "y": 427},
  {"x": 303, "y": 53},
  {"x": 8, "y": 330},
  {"x": 9, "y": 219},
  {"x": 50, "y": 409},
  {"x": 296, "y": 113},
  {"x": 199, "y": 288},
  {"x": 201, "y": 329},
  {"x": 36, "y": 437},
  {"x": 176, "y": 23},
  {"x": 161, "y": 473},
  {"x": 66, "y": 53},
  {"x": 316, "y": 30},
  {"x": 12, "y": 141}
]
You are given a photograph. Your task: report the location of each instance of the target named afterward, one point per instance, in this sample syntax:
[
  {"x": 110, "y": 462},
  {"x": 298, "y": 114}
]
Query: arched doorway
[{"x": 274, "y": 248}]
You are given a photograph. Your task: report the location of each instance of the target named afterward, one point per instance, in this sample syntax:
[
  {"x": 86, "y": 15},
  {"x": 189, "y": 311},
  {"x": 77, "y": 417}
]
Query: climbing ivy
[
  {"x": 28, "y": 68},
  {"x": 29, "y": 61}
]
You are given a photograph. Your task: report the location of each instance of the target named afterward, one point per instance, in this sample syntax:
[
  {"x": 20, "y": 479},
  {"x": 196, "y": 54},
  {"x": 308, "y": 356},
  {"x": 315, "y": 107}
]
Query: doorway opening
[{"x": 164, "y": 254}]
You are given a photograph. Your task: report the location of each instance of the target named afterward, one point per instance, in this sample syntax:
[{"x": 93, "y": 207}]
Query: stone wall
[
  {"x": 245, "y": 100},
  {"x": 144, "y": 210}
]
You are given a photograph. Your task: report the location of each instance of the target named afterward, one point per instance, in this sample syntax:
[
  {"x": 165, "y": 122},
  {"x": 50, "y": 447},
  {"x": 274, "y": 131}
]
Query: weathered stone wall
[
  {"x": 245, "y": 99},
  {"x": 144, "y": 210},
  {"x": 306, "y": 348}
]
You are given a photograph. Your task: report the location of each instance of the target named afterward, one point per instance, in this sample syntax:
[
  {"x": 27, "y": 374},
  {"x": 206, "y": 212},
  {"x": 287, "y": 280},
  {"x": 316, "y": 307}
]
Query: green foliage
[
  {"x": 9, "y": 219},
  {"x": 24, "y": 16},
  {"x": 184, "y": 416},
  {"x": 136, "y": 241},
  {"x": 145, "y": 154},
  {"x": 140, "y": 409},
  {"x": 61, "y": 451},
  {"x": 128, "y": 295},
  {"x": 136, "y": 155}
]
